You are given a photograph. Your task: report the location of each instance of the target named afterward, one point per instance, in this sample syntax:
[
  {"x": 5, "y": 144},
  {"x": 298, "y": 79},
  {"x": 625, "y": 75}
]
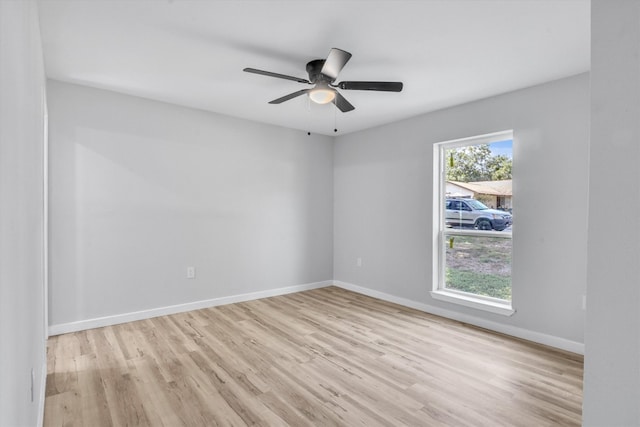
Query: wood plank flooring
[{"x": 322, "y": 357}]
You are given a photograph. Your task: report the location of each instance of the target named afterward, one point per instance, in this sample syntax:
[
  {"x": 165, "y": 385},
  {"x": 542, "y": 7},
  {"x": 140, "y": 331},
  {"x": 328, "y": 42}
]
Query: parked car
[{"x": 472, "y": 213}]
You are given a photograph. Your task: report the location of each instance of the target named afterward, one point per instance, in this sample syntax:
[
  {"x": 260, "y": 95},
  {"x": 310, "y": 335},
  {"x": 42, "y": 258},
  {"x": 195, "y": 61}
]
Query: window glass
[
  {"x": 479, "y": 265},
  {"x": 474, "y": 193}
]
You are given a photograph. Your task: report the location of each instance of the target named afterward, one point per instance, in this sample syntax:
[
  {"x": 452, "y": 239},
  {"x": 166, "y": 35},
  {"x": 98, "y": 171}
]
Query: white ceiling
[{"x": 192, "y": 53}]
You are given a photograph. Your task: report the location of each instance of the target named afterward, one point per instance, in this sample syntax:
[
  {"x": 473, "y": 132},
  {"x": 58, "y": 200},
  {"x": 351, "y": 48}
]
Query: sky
[{"x": 502, "y": 147}]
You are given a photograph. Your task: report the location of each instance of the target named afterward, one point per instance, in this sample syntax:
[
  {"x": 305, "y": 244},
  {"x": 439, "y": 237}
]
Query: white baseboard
[
  {"x": 550, "y": 340},
  {"x": 99, "y": 322}
]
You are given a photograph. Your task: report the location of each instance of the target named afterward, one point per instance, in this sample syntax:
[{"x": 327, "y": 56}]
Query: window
[{"x": 473, "y": 218}]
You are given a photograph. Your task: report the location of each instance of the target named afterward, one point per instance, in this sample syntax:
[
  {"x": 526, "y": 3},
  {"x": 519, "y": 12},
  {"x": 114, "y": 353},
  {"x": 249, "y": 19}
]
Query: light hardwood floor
[{"x": 320, "y": 357}]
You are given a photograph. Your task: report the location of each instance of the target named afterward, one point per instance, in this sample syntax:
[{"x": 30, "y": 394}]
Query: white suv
[{"x": 472, "y": 213}]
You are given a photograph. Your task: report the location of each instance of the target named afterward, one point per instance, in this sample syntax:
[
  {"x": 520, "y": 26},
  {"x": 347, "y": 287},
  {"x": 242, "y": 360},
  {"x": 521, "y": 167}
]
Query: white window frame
[{"x": 439, "y": 292}]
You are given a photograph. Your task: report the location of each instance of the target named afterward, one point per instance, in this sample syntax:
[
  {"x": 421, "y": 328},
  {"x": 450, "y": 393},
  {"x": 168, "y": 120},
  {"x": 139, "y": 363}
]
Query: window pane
[{"x": 479, "y": 265}]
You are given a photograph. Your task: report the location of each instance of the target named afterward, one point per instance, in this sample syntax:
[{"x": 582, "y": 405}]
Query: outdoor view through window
[{"x": 476, "y": 222}]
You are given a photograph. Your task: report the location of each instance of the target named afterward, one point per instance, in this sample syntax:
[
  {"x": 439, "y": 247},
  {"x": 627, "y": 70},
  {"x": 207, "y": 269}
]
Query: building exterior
[{"x": 494, "y": 194}]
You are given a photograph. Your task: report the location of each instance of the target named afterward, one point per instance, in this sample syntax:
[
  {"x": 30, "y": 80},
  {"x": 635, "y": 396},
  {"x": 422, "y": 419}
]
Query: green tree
[
  {"x": 499, "y": 168},
  {"x": 476, "y": 163}
]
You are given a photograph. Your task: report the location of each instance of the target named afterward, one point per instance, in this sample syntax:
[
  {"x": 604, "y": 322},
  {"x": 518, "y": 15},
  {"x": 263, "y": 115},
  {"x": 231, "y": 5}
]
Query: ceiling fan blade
[
  {"x": 380, "y": 86},
  {"x": 277, "y": 75},
  {"x": 335, "y": 61},
  {"x": 342, "y": 104},
  {"x": 290, "y": 96}
]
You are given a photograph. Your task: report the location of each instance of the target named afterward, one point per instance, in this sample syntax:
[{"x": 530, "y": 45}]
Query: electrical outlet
[
  {"x": 191, "y": 272},
  {"x": 359, "y": 262},
  {"x": 584, "y": 302}
]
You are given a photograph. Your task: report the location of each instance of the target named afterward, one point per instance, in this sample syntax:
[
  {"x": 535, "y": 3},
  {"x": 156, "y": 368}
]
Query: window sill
[{"x": 491, "y": 305}]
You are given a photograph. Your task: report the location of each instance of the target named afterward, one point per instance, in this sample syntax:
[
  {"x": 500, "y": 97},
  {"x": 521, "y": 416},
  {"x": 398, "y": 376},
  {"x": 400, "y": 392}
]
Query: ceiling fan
[{"x": 322, "y": 74}]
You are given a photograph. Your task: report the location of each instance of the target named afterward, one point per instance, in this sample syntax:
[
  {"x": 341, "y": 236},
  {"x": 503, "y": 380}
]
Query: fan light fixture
[
  {"x": 322, "y": 95},
  {"x": 323, "y": 74}
]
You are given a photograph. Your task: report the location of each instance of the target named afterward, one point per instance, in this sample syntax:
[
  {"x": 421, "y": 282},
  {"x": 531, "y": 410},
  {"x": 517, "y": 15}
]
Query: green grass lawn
[
  {"x": 479, "y": 265},
  {"x": 490, "y": 285}
]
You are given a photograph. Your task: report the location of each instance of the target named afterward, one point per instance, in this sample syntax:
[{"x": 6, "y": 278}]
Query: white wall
[
  {"x": 612, "y": 338},
  {"x": 139, "y": 190},
  {"x": 22, "y": 114},
  {"x": 383, "y": 206}
]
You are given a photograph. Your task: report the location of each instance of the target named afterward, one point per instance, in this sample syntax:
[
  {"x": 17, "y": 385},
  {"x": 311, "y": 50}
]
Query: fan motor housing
[{"x": 313, "y": 68}]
